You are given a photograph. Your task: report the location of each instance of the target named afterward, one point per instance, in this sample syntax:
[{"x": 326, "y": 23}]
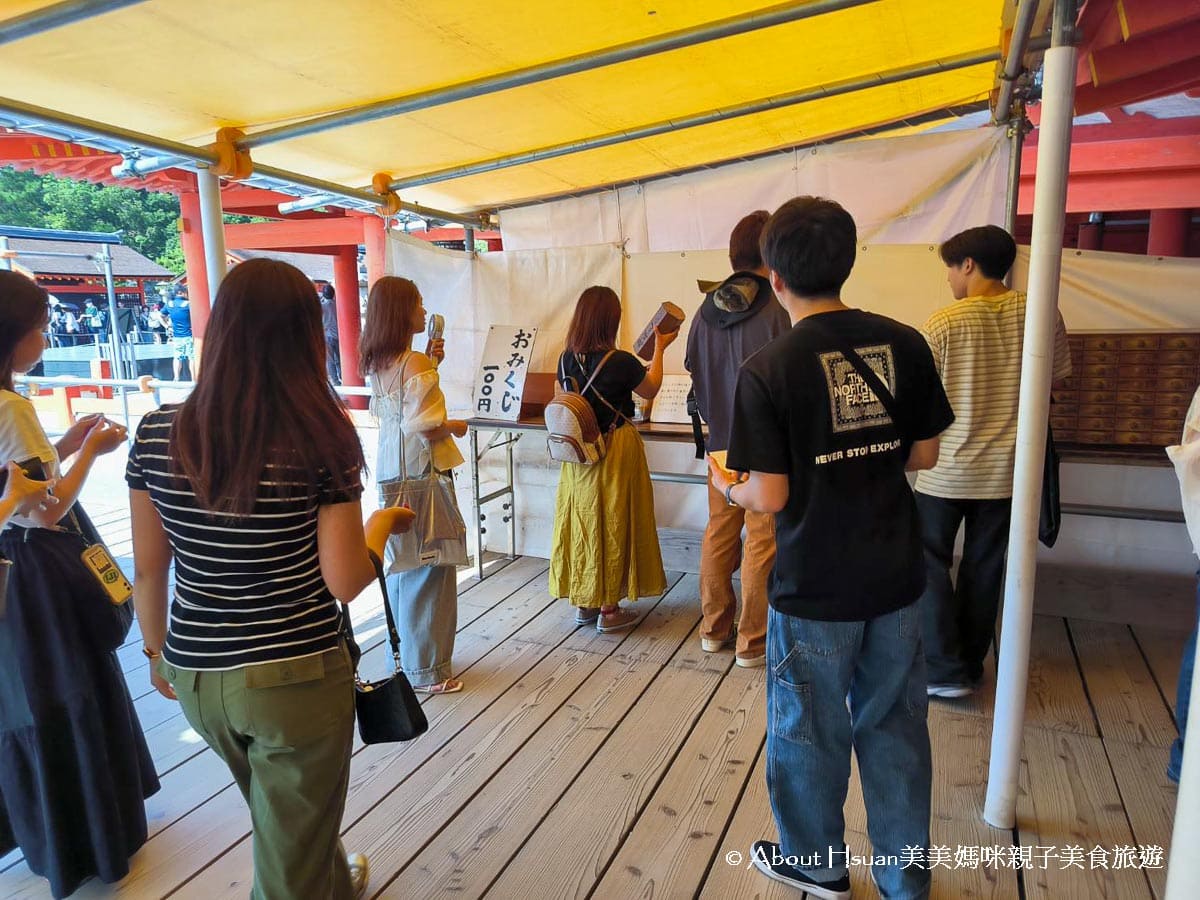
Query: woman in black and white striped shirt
[{"x": 252, "y": 485}]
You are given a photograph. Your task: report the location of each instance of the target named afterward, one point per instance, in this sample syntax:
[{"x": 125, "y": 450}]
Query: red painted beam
[
  {"x": 1109, "y": 65},
  {"x": 1153, "y": 173},
  {"x": 299, "y": 234},
  {"x": 1159, "y": 83}
]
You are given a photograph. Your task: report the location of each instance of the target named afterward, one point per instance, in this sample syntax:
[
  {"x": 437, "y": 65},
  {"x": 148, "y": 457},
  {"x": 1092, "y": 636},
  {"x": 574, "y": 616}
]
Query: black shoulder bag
[{"x": 388, "y": 710}]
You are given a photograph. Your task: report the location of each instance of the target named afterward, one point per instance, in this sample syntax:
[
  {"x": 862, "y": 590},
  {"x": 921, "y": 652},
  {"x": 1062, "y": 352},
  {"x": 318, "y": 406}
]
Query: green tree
[{"x": 147, "y": 221}]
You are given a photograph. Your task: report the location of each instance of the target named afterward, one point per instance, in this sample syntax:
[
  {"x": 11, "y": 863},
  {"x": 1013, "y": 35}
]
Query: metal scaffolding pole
[
  {"x": 50, "y": 17},
  {"x": 122, "y": 140},
  {"x": 1014, "y": 65},
  {"x": 212, "y": 224},
  {"x": 114, "y": 338},
  {"x": 1037, "y": 360},
  {"x": 395, "y": 106},
  {"x": 820, "y": 92}
]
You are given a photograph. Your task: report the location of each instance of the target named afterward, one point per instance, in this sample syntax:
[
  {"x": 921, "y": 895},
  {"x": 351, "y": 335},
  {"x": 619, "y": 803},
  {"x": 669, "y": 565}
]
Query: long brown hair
[
  {"x": 23, "y": 307},
  {"x": 262, "y": 396},
  {"x": 594, "y": 325},
  {"x": 391, "y": 307}
]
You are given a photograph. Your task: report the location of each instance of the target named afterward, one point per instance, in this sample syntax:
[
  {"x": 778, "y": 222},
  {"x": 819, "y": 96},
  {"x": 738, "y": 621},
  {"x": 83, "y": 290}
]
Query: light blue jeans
[
  {"x": 1183, "y": 696},
  {"x": 425, "y": 601},
  {"x": 878, "y": 666}
]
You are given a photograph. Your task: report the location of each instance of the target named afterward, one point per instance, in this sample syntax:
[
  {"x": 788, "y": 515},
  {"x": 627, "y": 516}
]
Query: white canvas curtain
[{"x": 912, "y": 189}]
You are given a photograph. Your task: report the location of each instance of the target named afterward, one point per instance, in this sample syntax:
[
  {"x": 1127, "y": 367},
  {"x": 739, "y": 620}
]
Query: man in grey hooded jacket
[{"x": 737, "y": 317}]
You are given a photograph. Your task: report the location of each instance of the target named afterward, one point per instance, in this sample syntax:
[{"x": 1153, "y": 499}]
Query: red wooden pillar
[
  {"x": 192, "y": 238},
  {"x": 375, "y": 241},
  {"x": 1168, "y": 232},
  {"x": 345, "y": 286}
]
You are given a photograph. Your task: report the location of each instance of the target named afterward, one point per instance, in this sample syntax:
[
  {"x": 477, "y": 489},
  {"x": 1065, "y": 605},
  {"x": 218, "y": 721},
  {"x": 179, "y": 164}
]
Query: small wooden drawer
[
  {"x": 1177, "y": 358},
  {"x": 1064, "y": 396},
  {"x": 1148, "y": 371},
  {"x": 1095, "y": 423},
  {"x": 1171, "y": 412},
  {"x": 1136, "y": 383},
  {"x": 1166, "y": 438},
  {"x": 1097, "y": 409},
  {"x": 1094, "y": 437},
  {"x": 1095, "y": 357},
  {"x": 1177, "y": 371},
  {"x": 1135, "y": 397},
  {"x": 1139, "y": 358},
  {"x": 1101, "y": 342},
  {"x": 1180, "y": 342},
  {"x": 1139, "y": 342},
  {"x": 1058, "y": 408},
  {"x": 1176, "y": 385},
  {"x": 1098, "y": 370},
  {"x": 1134, "y": 437},
  {"x": 1097, "y": 397},
  {"x": 1136, "y": 411},
  {"x": 1088, "y": 383},
  {"x": 1062, "y": 423},
  {"x": 1174, "y": 398},
  {"x": 1142, "y": 425}
]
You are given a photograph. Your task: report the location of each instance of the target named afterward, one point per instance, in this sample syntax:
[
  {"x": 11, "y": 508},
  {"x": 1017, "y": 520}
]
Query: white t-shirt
[{"x": 22, "y": 437}]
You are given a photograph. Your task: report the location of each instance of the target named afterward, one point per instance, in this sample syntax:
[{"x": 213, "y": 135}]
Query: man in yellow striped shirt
[{"x": 976, "y": 344}]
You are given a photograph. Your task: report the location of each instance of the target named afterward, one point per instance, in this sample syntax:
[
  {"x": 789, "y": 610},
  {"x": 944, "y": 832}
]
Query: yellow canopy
[{"x": 179, "y": 70}]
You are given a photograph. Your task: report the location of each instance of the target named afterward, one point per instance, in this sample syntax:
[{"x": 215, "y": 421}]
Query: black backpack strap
[
  {"x": 866, "y": 373},
  {"x": 618, "y": 415},
  {"x": 693, "y": 408}
]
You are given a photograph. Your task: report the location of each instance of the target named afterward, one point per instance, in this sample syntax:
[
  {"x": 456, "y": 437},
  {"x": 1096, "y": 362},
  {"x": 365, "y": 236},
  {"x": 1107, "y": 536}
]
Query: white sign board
[
  {"x": 671, "y": 403},
  {"x": 500, "y": 381}
]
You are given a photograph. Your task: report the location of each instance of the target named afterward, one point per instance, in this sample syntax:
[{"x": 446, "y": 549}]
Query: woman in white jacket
[{"x": 413, "y": 426}]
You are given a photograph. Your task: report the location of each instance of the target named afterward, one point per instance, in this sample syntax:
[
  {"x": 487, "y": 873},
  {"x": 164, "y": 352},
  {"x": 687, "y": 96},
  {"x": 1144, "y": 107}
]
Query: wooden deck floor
[{"x": 577, "y": 764}]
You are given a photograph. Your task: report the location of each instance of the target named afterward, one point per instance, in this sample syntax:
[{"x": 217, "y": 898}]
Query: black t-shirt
[
  {"x": 615, "y": 383},
  {"x": 848, "y": 541}
]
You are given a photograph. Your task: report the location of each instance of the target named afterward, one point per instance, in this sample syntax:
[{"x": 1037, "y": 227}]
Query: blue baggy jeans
[
  {"x": 1183, "y": 696},
  {"x": 833, "y": 686}
]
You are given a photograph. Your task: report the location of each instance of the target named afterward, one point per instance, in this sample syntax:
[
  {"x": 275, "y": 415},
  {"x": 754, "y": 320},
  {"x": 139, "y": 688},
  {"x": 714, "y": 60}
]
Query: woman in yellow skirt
[{"x": 605, "y": 542}]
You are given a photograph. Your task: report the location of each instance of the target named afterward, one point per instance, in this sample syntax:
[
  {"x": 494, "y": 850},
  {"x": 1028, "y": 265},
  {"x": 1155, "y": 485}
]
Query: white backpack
[{"x": 573, "y": 432}]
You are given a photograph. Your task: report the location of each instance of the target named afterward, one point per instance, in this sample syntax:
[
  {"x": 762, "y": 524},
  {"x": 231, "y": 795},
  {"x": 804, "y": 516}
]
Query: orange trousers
[{"x": 721, "y": 553}]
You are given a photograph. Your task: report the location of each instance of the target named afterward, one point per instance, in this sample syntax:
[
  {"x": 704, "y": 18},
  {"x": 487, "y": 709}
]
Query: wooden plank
[
  {"x": 1149, "y": 798},
  {"x": 670, "y": 846},
  {"x": 1068, "y": 798},
  {"x": 1124, "y": 693},
  {"x": 1055, "y": 698},
  {"x": 732, "y": 876},
  {"x": 568, "y": 852},
  {"x": 437, "y": 791},
  {"x": 485, "y": 834},
  {"x": 1163, "y": 650}
]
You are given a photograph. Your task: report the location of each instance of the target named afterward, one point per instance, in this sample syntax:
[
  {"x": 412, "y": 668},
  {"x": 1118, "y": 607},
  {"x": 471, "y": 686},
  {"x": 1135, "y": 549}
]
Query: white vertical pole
[
  {"x": 1183, "y": 872},
  {"x": 212, "y": 225},
  {"x": 1049, "y": 212},
  {"x": 114, "y": 339}
]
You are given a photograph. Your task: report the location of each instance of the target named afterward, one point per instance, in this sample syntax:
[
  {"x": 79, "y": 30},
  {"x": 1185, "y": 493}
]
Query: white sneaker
[{"x": 950, "y": 691}]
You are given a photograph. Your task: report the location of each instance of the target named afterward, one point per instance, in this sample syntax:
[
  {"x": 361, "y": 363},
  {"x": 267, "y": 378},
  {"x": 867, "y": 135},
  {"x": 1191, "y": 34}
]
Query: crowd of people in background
[{"x": 816, "y": 414}]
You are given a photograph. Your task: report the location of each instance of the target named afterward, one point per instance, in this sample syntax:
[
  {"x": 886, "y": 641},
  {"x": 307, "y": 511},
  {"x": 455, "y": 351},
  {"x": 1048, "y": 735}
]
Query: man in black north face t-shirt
[{"x": 826, "y": 451}]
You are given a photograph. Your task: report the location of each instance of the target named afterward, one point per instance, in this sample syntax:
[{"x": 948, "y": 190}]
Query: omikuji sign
[{"x": 501, "y": 377}]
